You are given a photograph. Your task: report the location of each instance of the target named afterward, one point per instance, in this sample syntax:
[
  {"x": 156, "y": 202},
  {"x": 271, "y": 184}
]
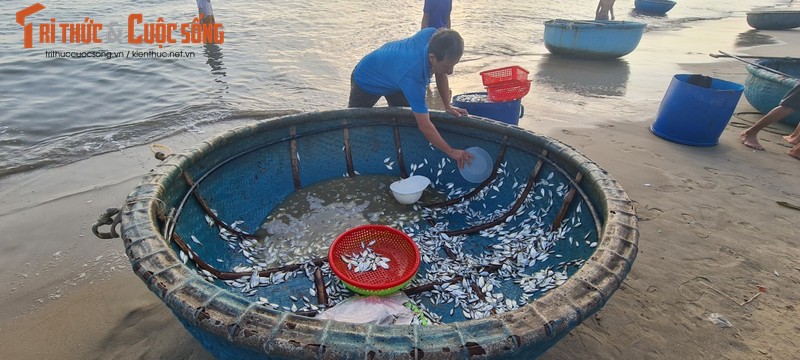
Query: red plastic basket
[
  {"x": 505, "y": 74},
  {"x": 394, "y": 244},
  {"x": 508, "y": 91}
]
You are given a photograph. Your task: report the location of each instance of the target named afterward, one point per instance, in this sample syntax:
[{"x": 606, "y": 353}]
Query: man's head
[{"x": 444, "y": 51}]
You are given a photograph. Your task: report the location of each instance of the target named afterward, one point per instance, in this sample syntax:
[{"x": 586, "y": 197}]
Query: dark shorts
[
  {"x": 792, "y": 99},
  {"x": 361, "y": 99}
]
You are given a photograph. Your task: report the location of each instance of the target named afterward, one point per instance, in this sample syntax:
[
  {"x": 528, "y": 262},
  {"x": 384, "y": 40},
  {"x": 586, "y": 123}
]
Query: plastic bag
[
  {"x": 719, "y": 320},
  {"x": 380, "y": 310}
]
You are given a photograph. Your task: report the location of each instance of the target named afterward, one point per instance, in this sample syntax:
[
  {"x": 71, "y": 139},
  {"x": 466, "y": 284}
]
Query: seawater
[
  {"x": 304, "y": 225},
  {"x": 276, "y": 55}
]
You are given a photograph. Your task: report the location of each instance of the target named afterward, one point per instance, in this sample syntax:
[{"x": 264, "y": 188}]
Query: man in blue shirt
[
  {"x": 436, "y": 13},
  {"x": 401, "y": 71}
]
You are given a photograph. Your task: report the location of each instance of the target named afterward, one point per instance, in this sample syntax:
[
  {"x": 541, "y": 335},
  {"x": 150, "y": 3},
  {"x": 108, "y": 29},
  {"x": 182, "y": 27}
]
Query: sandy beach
[{"x": 714, "y": 242}]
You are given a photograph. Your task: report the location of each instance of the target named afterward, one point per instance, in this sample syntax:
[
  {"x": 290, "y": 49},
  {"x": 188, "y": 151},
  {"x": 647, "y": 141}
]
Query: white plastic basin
[{"x": 409, "y": 190}]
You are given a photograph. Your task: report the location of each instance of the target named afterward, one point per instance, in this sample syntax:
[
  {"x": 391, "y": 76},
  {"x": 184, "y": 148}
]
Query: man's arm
[
  {"x": 443, "y": 84},
  {"x": 432, "y": 135},
  {"x": 424, "y": 21}
]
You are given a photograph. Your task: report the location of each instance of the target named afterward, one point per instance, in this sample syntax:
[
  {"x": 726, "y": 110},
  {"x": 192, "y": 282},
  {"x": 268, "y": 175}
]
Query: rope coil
[{"x": 111, "y": 217}]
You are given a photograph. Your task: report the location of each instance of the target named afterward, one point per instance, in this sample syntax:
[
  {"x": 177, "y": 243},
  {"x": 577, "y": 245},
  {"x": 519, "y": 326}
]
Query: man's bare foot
[
  {"x": 792, "y": 140},
  {"x": 794, "y": 152},
  {"x": 750, "y": 141}
]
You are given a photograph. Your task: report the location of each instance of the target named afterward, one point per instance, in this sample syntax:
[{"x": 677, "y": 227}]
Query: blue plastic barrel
[
  {"x": 507, "y": 111},
  {"x": 696, "y": 109}
]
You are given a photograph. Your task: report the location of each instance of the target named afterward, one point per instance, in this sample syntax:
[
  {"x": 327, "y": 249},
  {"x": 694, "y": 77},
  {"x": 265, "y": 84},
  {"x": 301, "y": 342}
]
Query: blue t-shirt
[
  {"x": 400, "y": 65},
  {"x": 438, "y": 11}
]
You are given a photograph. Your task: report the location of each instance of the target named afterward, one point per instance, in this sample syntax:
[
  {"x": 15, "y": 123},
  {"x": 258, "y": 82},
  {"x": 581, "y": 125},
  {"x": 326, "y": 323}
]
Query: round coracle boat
[
  {"x": 592, "y": 39},
  {"x": 232, "y": 236},
  {"x": 656, "y": 7},
  {"x": 764, "y": 89},
  {"x": 773, "y": 19}
]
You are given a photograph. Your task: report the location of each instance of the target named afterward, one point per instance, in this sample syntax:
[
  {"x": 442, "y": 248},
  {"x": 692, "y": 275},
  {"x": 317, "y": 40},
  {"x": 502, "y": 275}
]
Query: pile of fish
[
  {"x": 507, "y": 273},
  {"x": 365, "y": 260},
  {"x": 472, "y": 98}
]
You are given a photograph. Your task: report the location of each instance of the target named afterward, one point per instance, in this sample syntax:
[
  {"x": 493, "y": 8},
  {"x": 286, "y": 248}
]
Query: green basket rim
[{"x": 383, "y": 292}]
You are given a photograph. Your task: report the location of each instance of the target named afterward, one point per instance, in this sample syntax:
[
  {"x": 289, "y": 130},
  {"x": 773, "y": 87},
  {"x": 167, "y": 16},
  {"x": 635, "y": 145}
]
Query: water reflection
[
  {"x": 584, "y": 77},
  {"x": 754, "y": 38},
  {"x": 643, "y": 14},
  {"x": 214, "y": 55}
]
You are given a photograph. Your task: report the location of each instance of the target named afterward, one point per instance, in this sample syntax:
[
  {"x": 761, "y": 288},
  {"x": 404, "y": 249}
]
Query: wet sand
[{"x": 711, "y": 230}]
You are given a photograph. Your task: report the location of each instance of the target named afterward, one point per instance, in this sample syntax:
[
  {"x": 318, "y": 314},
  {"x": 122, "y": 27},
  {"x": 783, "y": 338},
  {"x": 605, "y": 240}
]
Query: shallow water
[
  {"x": 304, "y": 225},
  {"x": 276, "y": 55}
]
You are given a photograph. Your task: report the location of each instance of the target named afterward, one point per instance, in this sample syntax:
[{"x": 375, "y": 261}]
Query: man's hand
[
  {"x": 455, "y": 111},
  {"x": 461, "y": 157}
]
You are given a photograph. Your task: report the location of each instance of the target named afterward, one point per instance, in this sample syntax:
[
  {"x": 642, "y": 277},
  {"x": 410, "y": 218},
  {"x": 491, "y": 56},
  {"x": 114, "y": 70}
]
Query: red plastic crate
[
  {"x": 510, "y": 90},
  {"x": 505, "y": 74}
]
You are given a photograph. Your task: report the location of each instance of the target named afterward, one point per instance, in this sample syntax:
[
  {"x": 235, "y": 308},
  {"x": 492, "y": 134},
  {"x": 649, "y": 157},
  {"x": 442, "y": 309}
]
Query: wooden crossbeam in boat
[
  {"x": 475, "y": 288},
  {"x": 480, "y": 187},
  {"x": 567, "y": 200},
  {"x": 293, "y": 156},
  {"x": 528, "y": 187},
  {"x": 207, "y": 209},
  {"x": 401, "y": 163},
  {"x": 230, "y": 275},
  {"x": 348, "y": 153},
  {"x": 319, "y": 286}
]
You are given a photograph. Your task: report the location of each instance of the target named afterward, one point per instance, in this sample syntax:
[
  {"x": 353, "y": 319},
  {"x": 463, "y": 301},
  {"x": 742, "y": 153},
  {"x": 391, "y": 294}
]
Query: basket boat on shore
[
  {"x": 774, "y": 19},
  {"x": 765, "y": 89},
  {"x": 655, "y": 7},
  {"x": 508, "y": 266},
  {"x": 592, "y": 39}
]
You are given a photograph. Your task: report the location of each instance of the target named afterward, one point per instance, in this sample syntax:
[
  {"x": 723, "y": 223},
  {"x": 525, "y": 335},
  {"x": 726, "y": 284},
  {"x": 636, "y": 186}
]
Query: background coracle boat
[
  {"x": 593, "y": 39},
  {"x": 565, "y": 230},
  {"x": 774, "y": 19},
  {"x": 658, "y": 7},
  {"x": 764, "y": 89}
]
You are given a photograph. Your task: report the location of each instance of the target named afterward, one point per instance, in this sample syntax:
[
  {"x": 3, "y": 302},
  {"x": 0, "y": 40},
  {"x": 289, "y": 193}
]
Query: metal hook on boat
[{"x": 111, "y": 217}]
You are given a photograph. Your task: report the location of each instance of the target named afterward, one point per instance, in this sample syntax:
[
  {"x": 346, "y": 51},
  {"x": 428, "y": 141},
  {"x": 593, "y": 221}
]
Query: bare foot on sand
[
  {"x": 794, "y": 152},
  {"x": 750, "y": 141},
  {"x": 792, "y": 140}
]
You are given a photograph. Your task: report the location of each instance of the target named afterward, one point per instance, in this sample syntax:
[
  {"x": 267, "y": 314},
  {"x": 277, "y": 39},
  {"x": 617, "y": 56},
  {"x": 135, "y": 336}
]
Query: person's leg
[
  {"x": 397, "y": 99},
  {"x": 794, "y": 138},
  {"x": 794, "y": 152},
  {"x": 359, "y": 98},
  {"x": 749, "y": 137},
  {"x": 792, "y": 100}
]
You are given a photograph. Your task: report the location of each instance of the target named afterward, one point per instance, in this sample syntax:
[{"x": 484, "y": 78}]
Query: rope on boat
[{"x": 111, "y": 217}]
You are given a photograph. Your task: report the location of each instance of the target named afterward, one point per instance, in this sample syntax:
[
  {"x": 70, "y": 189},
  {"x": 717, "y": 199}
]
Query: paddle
[
  {"x": 757, "y": 65},
  {"x": 755, "y": 57}
]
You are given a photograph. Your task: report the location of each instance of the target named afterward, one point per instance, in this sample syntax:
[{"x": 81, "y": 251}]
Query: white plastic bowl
[{"x": 409, "y": 190}]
